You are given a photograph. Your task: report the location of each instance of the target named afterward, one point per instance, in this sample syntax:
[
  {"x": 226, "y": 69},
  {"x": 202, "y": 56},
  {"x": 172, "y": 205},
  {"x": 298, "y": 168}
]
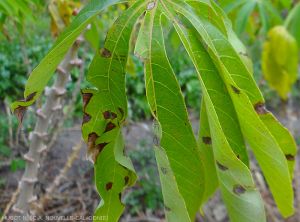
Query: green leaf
[
  {"x": 243, "y": 15},
  {"x": 234, "y": 74},
  {"x": 292, "y": 22},
  {"x": 168, "y": 108},
  {"x": 105, "y": 110},
  {"x": 41, "y": 75},
  {"x": 207, "y": 155},
  {"x": 280, "y": 60},
  {"x": 232, "y": 173}
]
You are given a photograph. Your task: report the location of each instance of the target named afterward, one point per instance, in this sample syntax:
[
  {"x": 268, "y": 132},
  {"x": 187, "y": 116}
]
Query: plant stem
[{"x": 37, "y": 146}]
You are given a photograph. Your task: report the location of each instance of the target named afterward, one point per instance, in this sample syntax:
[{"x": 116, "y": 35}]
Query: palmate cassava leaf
[
  {"x": 232, "y": 115},
  {"x": 280, "y": 60}
]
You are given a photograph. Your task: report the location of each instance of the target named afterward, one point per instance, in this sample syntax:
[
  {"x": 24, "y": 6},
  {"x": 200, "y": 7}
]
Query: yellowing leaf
[
  {"x": 280, "y": 60},
  {"x": 61, "y": 13}
]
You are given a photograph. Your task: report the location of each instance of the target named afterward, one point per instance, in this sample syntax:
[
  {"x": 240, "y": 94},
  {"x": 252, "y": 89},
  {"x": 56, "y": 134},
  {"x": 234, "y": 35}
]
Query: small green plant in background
[{"x": 146, "y": 194}]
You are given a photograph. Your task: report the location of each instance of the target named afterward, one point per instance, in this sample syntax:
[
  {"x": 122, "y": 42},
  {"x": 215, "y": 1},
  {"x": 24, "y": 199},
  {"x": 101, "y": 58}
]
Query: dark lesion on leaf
[
  {"x": 86, "y": 97},
  {"x": 110, "y": 126},
  {"x": 239, "y": 189},
  {"x": 101, "y": 146},
  {"x": 126, "y": 180},
  {"x": 30, "y": 97},
  {"x": 86, "y": 118},
  {"x": 164, "y": 170},
  {"x": 221, "y": 166},
  {"x": 109, "y": 115},
  {"x": 105, "y": 53},
  {"x": 108, "y": 186},
  {"x": 290, "y": 157},
  {"x": 21, "y": 110},
  {"x": 206, "y": 140},
  {"x": 95, "y": 149},
  {"x": 260, "y": 108},
  {"x": 235, "y": 89}
]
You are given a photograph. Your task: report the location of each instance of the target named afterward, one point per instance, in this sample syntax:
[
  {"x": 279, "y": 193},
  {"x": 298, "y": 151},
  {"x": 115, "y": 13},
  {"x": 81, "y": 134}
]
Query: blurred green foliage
[{"x": 147, "y": 192}]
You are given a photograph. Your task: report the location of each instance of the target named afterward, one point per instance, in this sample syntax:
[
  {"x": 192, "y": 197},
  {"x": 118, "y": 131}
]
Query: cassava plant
[{"x": 233, "y": 112}]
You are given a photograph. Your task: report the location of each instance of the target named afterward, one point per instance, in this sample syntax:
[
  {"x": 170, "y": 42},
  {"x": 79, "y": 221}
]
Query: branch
[{"x": 38, "y": 137}]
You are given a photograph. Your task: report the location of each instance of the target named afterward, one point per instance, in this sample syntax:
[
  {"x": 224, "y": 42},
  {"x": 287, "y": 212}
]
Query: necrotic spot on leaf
[
  {"x": 290, "y": 157},
  {"x": 86, "y": 118},
  {"x": 106, "y": 115},
  {"x": 86, "y": 97},
  {"x": 164, "y": 170},
  {"x": 235, "y": 90},
  {"x": 221, "y": 167},
  {"x": 126, "y": 180},
  {"x": 30, "y": 97},
  {"x": 206, "y": 140},
  {"x": 101, "y": 146},
  {"x": 109, "y": 186},
  {"x": 260, "y": 108},
  {"x": 20, "y": 112},
  {"x": 238, "y": 189},
  {"x": 105, "y": 53},
  {"x": 110, "y": 126},
  {"x": 109, "y": 115}
]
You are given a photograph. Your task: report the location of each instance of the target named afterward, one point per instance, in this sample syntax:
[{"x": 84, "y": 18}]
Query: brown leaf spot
[
  {"x": 92, "y": 152},
  {"x": 235, "y": 90},
  {"x": 105, "y": 53},
  {"x": 164, "y": 170},
  {"x": 109, "y": 115},
  {"x": 221, "y": 167},
  {"x": 126, "y": 179},
  {"x": 101, "y": 146},
  {"x": 113, "y": 115},
  {"x": 110, "y": 126},
  {"x": 20, "y": 112},
  {"x": 206, "y": 140},
  {"x": 120, "y": 197},
  {"x": 108, "y": 186},
  {"x": 86, "y": 118},
  {"x": 30, "y": 97},
  {"x": 86, "y": 97},
  {"x": 260, "y": 108},
  {"x": 290, "y": 157},
  {"x": 238, "y": 189}
]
